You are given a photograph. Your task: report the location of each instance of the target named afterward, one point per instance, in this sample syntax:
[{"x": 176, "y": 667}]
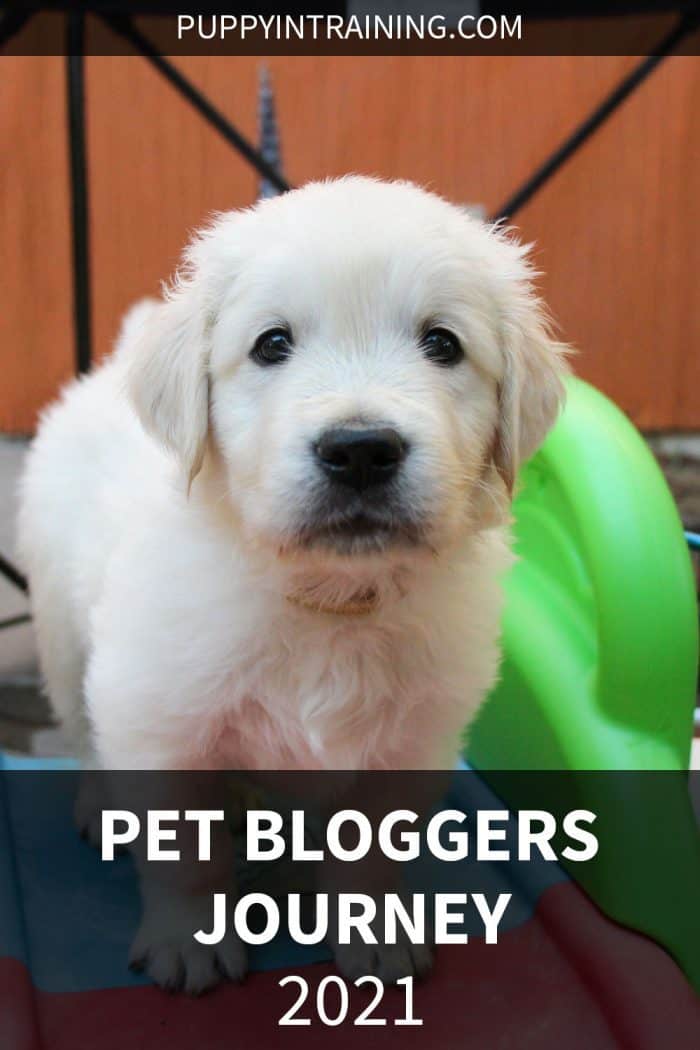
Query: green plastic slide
[
  {"x": 600, "y": 630},
  {"x": 600, "y": 644}
]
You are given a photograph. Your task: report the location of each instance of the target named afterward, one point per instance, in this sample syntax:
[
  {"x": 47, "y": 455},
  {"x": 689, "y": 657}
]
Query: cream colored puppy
[{"x": 270, "y": 531}]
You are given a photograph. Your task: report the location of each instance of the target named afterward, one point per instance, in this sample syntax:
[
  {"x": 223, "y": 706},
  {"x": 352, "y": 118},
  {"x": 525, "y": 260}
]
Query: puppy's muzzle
[{"x": 360, "y": 458}]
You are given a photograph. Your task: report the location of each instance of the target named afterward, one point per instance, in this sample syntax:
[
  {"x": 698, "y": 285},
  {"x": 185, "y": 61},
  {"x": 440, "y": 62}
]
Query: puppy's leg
[
  {"x": 62, "y": 662},
  {"x": 92, "y": 798},
  {"x": 177, "y": 896},
  {"x": 375, "y": 795},
  {"x": 147, "y": 722}
]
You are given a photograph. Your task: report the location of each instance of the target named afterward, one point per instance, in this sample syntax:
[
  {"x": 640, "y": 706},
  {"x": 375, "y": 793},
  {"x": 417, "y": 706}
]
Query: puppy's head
[{"x": 365, "y": 364}]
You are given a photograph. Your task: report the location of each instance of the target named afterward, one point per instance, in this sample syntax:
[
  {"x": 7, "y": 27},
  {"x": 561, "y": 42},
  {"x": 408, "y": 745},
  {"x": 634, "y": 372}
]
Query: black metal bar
[
  {"x": 13, "y": 575},
  {"x": 201, "y": 103},
  {"x": 687, "y": 24},
  {"x": 75, "y": 76},
  {"x": 15, "y": 621},
  {"x": 10, "y": 24}
]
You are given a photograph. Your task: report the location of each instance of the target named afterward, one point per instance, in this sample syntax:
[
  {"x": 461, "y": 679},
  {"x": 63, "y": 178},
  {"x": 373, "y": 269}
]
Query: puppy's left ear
[
  {"x": 168, "y": 377},
  {"x": 531, "y": 391}
]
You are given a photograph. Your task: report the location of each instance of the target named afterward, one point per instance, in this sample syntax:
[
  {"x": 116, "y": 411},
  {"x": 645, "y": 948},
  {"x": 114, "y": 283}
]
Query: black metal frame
[
  {"x": 687, "y": 24},
  {"x": 8, "y": 570},
  {"x": 11, "y": 24},
  {"x": 126, "y": 29},
  {"x": 75, "y": 84}
]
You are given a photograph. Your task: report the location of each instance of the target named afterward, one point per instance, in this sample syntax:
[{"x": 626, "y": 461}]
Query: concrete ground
[{"x": 22, "y": 708}]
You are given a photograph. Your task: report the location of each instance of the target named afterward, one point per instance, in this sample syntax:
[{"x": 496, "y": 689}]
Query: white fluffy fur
[{"x": 163, "y": 493}]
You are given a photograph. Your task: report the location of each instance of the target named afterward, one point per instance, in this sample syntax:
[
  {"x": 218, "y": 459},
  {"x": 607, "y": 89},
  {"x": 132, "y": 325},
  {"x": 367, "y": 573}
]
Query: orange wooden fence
[{"x": 617, "y": 230}]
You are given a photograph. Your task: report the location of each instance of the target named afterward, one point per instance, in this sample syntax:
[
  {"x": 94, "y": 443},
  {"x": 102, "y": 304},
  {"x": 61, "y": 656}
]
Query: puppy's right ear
[{"x": 168, "y": 374}]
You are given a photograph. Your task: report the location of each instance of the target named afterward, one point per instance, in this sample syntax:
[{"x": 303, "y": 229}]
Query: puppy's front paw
[
  {"x": 166, "y": 950},
  {"x": 388, "y": 962}
]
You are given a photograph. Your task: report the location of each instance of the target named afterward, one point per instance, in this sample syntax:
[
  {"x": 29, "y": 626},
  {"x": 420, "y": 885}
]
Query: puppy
[{"x": 269, "y": 531}]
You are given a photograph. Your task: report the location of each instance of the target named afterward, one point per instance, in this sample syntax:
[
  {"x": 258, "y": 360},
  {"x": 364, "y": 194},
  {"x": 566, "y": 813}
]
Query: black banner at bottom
[{"x": 409, "y": 909}]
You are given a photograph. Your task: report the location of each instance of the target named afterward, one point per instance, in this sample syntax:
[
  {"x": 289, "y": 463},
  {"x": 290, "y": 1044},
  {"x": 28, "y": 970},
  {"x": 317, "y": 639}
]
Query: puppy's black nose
[{"x": 360, "y": 457}]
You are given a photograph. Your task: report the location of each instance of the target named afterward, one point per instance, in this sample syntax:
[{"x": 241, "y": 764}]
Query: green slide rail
[{"x": 600, "y": 643}]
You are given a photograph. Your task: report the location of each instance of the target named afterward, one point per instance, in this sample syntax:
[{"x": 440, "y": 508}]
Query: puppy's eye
[
  {"x": 442, "y": 347},
  {"x": 272, "y": 347}
]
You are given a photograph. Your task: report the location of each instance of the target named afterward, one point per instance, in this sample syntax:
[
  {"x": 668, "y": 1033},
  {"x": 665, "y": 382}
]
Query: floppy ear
[
  {"x": 168, "y": 377},
  {"x": 530, "y": 393}
]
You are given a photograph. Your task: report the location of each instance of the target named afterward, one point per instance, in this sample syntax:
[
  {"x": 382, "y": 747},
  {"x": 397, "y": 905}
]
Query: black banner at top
[{"x": 355, "y": 27}]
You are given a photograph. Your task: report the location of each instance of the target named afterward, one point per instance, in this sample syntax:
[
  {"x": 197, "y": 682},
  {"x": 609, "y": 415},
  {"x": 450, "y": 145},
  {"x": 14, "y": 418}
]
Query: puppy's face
[{"x": 366, "y": 363}]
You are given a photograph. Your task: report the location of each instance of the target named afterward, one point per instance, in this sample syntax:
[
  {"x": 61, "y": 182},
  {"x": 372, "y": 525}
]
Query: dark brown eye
[
  {"x": 272, "y": 347},
  {"x": 442, "y": 347}
]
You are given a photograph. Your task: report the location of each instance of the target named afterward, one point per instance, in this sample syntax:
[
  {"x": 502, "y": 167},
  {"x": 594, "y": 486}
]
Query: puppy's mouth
[{"x": 361, "y": 532}]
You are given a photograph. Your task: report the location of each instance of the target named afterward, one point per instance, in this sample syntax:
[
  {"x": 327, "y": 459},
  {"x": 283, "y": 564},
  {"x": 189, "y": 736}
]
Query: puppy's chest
[{"x": 339, "y": 702}]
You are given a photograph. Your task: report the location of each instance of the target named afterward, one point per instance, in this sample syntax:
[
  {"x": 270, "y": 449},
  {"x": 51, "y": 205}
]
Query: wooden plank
[
  {"x": 36, "y": 310},
  {"x": 619, "y": 246}
]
